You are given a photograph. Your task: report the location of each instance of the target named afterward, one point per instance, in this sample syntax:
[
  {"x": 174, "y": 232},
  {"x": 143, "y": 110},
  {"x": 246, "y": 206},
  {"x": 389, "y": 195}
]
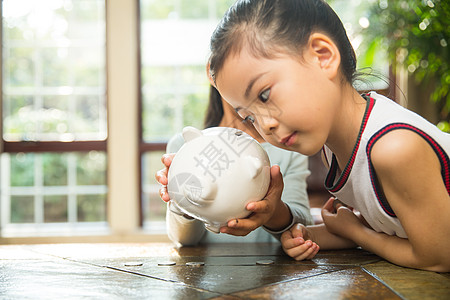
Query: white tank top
[{"x": 357, "y": 184}]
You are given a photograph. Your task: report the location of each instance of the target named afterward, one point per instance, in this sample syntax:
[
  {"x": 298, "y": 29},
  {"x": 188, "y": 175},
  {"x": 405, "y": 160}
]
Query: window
[
  {"x": 174, "y": 87},
  {"x": 53, "y": 169}
]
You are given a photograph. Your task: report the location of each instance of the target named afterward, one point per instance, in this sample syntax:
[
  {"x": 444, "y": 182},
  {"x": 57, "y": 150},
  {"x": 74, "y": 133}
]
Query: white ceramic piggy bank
[{"x": 216, "y": 173}]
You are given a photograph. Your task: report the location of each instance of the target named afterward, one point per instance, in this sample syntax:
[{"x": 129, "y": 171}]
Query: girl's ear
[
  {"x": 326, "y": 53},
  {"x": 210, "y": 78}
]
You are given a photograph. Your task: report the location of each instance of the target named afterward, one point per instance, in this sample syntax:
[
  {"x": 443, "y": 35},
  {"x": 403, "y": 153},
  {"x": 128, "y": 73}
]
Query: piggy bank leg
[{"x": 213, "y": 228}]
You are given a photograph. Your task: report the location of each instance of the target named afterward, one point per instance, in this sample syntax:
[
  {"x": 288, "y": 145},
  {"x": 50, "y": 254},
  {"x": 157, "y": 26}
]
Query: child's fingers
[
  {"x": 274, "y": 192},
  {"x": 303, "y": 251},
  {"x": 297, "y": 230},
  {"x": 275, "y": 175},
  {"x": 285, "y": 236},
  {"x": 161, "y": 176},
  {"x": 291, "y": 243},
  {"x": 329, "y": 205},
  {"x": 233, "y": 231},
  {"x": 239, "y": 227},
  {"x": 164, "y": 194},
  {"x": 262, "y": 206},
  {"x": 167, "y": 158},
  {"x": 315, "y": 248},
  {"x": 330, "y": 208},
  {"x": 276, "y": 182},
  {"x": 243, "y": 231},
  {"x": 338, "y": 204}
]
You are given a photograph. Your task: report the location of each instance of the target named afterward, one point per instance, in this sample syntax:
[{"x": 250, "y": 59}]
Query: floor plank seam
[
  {"x": 162, "y": 279},
  {"x": 293, "y": 279},
  {"x": 376, "y": 277}
]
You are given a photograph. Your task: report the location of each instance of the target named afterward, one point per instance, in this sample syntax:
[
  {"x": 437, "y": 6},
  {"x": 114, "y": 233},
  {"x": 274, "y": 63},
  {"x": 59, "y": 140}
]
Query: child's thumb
[
  {"x": 297, "y": 230},
  {"x": 276, "y": 178},
  {"x": 329, "y": 205}
]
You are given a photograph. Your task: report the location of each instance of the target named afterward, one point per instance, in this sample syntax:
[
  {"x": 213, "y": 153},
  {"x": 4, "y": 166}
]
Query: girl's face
[{"x": 291, "y": 102}]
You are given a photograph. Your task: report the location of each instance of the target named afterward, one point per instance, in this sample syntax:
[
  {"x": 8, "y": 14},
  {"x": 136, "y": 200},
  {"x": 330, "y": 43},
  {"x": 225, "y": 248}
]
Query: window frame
[
  {"x": 13, "y": 147},
  {"x": 123, "y": 163}
]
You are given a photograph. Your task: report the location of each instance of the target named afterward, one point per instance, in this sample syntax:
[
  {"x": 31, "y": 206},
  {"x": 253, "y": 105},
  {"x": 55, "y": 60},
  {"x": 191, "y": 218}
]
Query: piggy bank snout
[
  {"x": 188, "y": 186},
  {"x": 202, "y": 194}
]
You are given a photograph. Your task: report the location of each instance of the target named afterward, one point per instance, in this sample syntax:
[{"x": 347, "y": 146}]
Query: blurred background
[{"x": 93, "y": 89}]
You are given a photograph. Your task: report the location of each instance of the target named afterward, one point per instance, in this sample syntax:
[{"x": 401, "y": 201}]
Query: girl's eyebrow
[{"x": 252, "y": 83}]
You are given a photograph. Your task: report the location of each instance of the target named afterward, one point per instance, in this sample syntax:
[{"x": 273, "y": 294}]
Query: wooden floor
[{"x": 226, "y": 271}]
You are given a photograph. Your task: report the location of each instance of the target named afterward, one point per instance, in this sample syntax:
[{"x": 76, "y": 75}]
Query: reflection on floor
[{"x": 225, "y": 271}]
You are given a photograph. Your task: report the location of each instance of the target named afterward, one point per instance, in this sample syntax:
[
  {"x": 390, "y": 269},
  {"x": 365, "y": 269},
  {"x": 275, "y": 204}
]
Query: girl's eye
[
  {"x": 250, "y": 119},
  {"x": 264, "y": 96}
]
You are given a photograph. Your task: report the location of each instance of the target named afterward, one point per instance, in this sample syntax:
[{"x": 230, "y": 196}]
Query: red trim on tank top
[{"x": 348, "y": 168}]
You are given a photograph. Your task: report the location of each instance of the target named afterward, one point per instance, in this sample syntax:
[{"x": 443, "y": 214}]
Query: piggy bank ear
[
  {"x": 190, "y": 133},
  {"x": 252, "y": 166},
  {"x": 203, "y": 194}
]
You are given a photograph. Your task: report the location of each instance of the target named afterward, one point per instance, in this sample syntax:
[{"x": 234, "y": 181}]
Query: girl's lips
[{"x": 289, "y": 140}]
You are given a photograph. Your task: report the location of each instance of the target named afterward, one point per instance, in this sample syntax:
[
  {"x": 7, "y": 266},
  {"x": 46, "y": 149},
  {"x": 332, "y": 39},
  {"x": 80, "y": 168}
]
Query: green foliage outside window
[
  {"x": 22, "y": 209},
  {"x": 416, "y": 33}
]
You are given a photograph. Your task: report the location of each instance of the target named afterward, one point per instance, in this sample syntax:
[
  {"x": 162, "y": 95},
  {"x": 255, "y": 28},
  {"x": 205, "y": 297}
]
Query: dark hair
[
  {"x": 214, "y": 112},
  {"x": 267, "y": 26}
]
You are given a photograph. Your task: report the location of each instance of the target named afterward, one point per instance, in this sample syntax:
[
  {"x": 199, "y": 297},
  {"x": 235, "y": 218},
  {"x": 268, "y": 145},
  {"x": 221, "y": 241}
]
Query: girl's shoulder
[
  {"x": 397, "y": 147},
  {"x": 408, "y": 147},
  {"x": 409, "y": 169}
]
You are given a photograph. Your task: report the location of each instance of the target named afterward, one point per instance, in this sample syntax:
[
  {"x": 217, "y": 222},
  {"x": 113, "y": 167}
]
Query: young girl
[{"x": 288, "y": 66}]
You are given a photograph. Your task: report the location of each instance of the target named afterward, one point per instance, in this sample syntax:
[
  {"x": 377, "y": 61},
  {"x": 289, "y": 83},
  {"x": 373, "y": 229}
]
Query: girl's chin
[
  {"x": 305, "y": 150},
  {"x": 308, "y": 150}
]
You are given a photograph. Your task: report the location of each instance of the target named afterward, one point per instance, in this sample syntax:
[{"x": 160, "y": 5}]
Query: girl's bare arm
[
  {"x": 409, "y": 173},
  {"x": 327, "y": 240}
]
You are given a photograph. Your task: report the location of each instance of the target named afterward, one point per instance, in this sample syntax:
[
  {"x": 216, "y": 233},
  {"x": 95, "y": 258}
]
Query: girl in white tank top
[{"x": 288, "y": 66}]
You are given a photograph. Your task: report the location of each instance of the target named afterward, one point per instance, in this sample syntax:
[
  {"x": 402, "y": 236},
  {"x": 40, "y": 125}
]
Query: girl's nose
[{"x": 267, "y": 123}]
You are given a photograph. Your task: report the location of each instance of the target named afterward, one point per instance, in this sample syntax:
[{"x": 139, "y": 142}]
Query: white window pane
[
  {"x": 175, "y": 44},
  {"x": 53, "y": 90},
  {"x": 54, "y": 56},
  {"x": 52, "y": 187}
]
